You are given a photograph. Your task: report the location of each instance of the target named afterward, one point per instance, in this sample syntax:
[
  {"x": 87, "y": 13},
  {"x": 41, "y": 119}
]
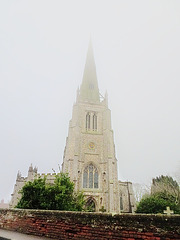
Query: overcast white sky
[{"x": 43, "y": 45}]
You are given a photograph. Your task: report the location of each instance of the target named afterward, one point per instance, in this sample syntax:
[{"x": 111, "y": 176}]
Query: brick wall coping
[{"x": 41, "y": 222}]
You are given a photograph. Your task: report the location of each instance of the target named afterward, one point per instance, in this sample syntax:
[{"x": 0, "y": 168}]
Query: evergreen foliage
[
  {"x": 164, "y": 192},
  {"x": 58, "y": 196},
  {"x": 156, "y": 204},
  {"x": 167, "y": 180}
]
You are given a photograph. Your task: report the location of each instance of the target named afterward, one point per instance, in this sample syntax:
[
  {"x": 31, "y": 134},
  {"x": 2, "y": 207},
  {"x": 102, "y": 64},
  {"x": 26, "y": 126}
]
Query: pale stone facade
[
  {"x": 89, "y": 155},
  {"x": 20, "y": 181},
  {"x": 3, "y": 204}
]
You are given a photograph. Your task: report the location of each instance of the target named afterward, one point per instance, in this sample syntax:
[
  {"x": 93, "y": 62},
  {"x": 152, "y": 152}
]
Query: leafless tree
[{"x": 140, "y": 191}]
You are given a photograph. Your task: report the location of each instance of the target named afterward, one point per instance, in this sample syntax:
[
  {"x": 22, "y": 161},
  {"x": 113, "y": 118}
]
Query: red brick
[
  {"x": 58, "y": 227},
  {"x": 149, "y": 234}
]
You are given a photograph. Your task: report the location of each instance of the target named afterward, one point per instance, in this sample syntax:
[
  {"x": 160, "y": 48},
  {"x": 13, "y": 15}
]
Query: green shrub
[
  {"x": 156, "y": 204},
  {"x": 58, "y": 196}
]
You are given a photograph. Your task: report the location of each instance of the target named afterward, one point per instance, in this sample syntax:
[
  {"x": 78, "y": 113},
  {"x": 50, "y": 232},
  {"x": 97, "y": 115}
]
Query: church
[{"x": 89, "y": 155}]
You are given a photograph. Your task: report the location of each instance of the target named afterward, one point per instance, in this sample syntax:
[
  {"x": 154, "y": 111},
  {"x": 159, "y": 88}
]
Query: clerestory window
[{"x": 90, "y": 177}]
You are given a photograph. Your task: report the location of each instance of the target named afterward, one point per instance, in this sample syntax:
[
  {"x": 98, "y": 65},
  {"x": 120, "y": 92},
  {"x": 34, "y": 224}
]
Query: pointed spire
[{"x": 89, "y": 90}]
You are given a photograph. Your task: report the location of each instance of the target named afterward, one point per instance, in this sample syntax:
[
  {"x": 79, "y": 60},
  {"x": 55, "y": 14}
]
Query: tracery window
[
  {"x": 90, "y": 177},
  {"x": 94, "y": 122},
  {"x": 88, "y": 121},
  {"x": 91, "y": 121}
]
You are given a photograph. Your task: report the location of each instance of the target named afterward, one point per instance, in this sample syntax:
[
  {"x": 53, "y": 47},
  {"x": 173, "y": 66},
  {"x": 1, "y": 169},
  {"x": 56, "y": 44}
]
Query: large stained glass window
[{"x": 90, "y": 177}]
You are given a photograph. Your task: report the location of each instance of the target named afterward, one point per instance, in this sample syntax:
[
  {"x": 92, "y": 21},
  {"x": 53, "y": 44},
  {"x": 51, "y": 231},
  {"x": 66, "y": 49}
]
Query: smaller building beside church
[
  {"x": 4, "y": 204},
  {"x": 89, "y": 155}
]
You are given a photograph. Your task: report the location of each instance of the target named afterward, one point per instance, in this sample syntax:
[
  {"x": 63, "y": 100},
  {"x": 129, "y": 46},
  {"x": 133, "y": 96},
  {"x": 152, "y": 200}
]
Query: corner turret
[{"x": 18, "y": 176}]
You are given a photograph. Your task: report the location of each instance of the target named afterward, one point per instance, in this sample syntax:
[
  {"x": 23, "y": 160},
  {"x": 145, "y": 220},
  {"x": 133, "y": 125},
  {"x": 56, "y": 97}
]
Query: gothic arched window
[
  {"x": 88, "y": 118},
  {"x": 90, "y": 177},
  {"x": 94, "y": 122}
]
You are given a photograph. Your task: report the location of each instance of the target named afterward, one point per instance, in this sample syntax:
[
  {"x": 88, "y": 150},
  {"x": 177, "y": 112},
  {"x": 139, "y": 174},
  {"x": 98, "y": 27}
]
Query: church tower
[{"x": 89, "y": 155}]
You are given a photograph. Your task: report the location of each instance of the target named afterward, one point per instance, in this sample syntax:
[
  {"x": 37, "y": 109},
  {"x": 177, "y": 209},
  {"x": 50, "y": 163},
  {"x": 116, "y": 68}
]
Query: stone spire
[{"x": 89, "y": 90}]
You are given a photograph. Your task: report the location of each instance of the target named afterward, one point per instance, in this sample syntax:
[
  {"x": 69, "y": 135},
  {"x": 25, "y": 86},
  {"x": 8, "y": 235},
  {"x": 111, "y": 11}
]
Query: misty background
[{"x": 43, "y": 46}]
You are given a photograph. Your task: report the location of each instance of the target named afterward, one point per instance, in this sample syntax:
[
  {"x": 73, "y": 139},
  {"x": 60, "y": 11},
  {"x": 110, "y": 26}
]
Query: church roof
[{"x": 89, "y": 90}]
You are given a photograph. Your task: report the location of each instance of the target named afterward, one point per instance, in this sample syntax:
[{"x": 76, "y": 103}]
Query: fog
[{"x": 43, "y": 46}]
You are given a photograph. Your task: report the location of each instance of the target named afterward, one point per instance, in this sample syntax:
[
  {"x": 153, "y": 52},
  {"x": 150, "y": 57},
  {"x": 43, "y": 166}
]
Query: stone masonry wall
[{"x": 81, "y": 225}]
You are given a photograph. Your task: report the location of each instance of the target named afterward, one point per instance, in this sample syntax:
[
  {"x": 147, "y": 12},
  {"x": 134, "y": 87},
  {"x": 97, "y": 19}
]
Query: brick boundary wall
[{"x": 82, "y": 225}]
